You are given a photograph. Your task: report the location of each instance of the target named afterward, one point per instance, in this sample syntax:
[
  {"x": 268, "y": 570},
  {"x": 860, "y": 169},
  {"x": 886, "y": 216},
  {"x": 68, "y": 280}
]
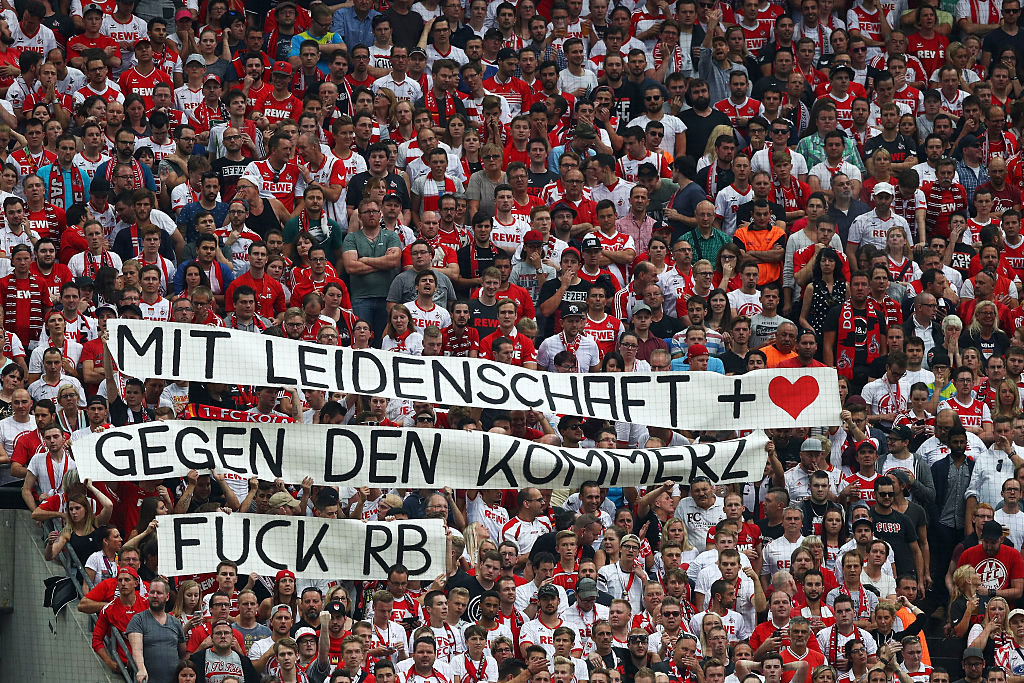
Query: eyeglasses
[
  {"x": 652, "y": 98},
  {"x": 656, "y": 134},
  {"x": 885, "y": 494},
  {"x": 629, "y": 345},
  {"x": 670, "y": 614},
  {"x": 425, "y": 418},
  {"x": 232, "y": 137},
  {"x": 491, "y": 157},
  {"x": 574, "y": 427}
]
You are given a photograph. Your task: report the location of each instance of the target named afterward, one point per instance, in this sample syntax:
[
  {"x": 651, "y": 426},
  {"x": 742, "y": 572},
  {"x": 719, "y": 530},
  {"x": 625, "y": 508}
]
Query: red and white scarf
[{"x": 55, "y": 192}]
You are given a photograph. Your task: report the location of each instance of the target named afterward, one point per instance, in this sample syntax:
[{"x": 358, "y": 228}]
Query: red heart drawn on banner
[{"x": 793, "y": 397}]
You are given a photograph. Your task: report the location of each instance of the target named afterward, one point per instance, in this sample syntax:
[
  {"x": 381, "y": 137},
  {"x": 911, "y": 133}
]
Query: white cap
[{"x": 883, "y": 188}]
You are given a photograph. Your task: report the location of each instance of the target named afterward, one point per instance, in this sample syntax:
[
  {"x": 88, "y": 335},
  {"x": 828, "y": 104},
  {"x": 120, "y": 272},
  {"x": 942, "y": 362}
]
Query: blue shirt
[
  {"x": 44, "y": 173},
  {"x": 354, "y": 30},
  {"x": 326, "y": 39},
  {"x": 714, "y": 365}
]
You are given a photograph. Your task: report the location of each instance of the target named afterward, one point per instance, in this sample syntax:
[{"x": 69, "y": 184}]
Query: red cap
[
  {"x": 282, "y": 67},
  {"x": 283, "y": 573},
  {"x": 212, "y": 77},
  {"x": 125, "y": 569},
  {"x": 871, "y": 443},
  {"x": 51, "y": 314},
  {"x": 697, "y": 350},
  {"x": 533, "y": 236}
]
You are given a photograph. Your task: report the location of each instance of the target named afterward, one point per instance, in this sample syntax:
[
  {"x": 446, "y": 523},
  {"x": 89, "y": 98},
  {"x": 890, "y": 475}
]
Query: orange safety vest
[{"x": 762, "y": 240}]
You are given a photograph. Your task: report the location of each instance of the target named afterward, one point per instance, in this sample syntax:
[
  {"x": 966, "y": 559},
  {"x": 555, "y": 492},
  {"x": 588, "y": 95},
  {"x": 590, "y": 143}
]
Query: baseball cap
[
  {"x": 304, "y": 632},
  {"x": 861, "y": 522},
  {"x": 198, "y": 59},
  {"x": 570, "y": 251},
  {"x": 93, "y": 7},
  {"x": 900, "y": 474},
  {"x": 901, "y": 432},
  {"x": 640, "y": 307},
  {"x": 99, "y": 186},
  {"x": 178, "y": 16},
  {"x": 1015, "y": 613},
  {"x": 533, "y": 236},
  {"x": 883, "y": 188},
  {"x": 283, "y": 498},
  {"x": 281, "y": 607},
  {"x": 630, "y": 538},
  {"x": 212, "y": 77},
  {"x": 970, "y": 141},
  {"x": 932, "y": 94},
  {"x": 335, "y": 608},
  {"x": 973, "y": 651},
  {"x": 506, "y": 53},
  {"x": 84, "y": 281},
  {"x": 417, "y": 50},
  {"x": 867, "y": 443},
  {"x": 842, "y": 69},
  {"x": 393, "y": 501},
  {"x": 280, "y": 67},
  {"x": 939, "y": 358},
  {"x": 587, "y": 588},
  {"x": 573, "y": 310},
  {"x": 125, "y": 569},
  {"x": 584, "y": 130},
  {"x": 97, "y": 401},
  {"x": 284, "y": 573},
  {"x": 547, "y": 591},
  {"x": 563, "y": 205},
  {"x": 494, "y": 34},
  {"x": 591, "y": 242},
  {"x": 697, "y": 350},
  {"x": 107, "y": 307},
  {"x": 811, "y": 444},
  {"x": 281, "y": 6},
  {"x": 143, "y": 39},
  {"x": 391, "y": 197},
  {"x": 992, "y": 530}
]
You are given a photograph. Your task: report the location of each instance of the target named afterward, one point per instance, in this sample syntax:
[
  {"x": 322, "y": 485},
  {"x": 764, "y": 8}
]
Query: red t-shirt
[
  {"x": 269, "y": 294},
  {"x": 995, "y": 572}
]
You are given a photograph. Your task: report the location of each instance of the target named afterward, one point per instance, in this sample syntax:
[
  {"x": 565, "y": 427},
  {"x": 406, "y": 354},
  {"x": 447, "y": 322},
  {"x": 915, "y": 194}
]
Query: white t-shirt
[{"x": 673, "y": 126}]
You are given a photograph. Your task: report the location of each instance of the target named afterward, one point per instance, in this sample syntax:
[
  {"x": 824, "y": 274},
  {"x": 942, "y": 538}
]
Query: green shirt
[
  {"x": 707, "y": 248},
  {"x": 326, "y": 233},
  {"x": 375, "y": 284}
]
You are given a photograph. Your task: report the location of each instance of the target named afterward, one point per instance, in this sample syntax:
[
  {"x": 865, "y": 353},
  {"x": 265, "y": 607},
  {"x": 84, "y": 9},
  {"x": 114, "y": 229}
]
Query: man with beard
[{"x": 157, "y": 638}]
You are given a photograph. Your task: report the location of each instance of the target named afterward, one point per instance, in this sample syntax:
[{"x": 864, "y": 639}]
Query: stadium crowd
[{"x": 564, "y": 185}]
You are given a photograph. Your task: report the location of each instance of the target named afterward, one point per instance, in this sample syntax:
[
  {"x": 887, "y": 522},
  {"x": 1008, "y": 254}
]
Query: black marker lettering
[
  {"x": 261, "y": 547},
  {"x": 103, "y": 447},
  {"x": 305, "y": 367},
  {"x": 218, "y": 525},
  {"x": 211, "y": 335},
  {"x": 413, "y": 546},
  {"x": 180, "y": 542},
  {"x": 361, "y": 374},
  {"x": 399, "y": 379},
  {"x": 303, "y": 558},
  {"x": 372, "y": 550},
  {"x": 155, "y": 339},
  {"x": 272, "y": 377}
]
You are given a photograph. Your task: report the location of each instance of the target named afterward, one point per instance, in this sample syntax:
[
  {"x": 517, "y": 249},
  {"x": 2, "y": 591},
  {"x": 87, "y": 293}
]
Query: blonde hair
[
  {"x": 1014, "y": 408},
  {"x": 685, "y": 542},
  {"x": 179, "y": 598},
  {"x": 709, "y": 147}
]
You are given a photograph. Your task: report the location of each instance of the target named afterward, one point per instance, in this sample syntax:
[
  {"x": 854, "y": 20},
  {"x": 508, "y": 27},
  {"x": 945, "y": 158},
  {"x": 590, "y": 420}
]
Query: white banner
[
  {"x": 383, "y": 457},
  {"x": 766, "y": 399},
  {"x": 312, "y": 547}
]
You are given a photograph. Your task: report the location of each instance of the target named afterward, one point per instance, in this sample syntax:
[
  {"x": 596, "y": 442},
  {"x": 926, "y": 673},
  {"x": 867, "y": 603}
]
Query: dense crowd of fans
[{"x": 569, "y": 186}]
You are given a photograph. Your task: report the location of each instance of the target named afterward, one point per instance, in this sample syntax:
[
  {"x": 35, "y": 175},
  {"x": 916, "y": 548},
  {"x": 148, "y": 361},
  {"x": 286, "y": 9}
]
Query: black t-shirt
[
  {"x": 462, "y": 579},
  {"x": 999, "y": 38},
  {"x": 576, "y": 294},
  {"x": 405, "y": 28},
  {"x": 667, "y": 326},
  {"x": 722, "y": 180},
  {"x": 545, "y": 543},
  {"x": 229, "y": 172},
  {"x": 539, "y": 180},
  {"x": 734, "y": 364},
  {"x": 899, "y": 149},
  {"x": 484, "y": 259},
  {"x": 698, "y": 128},
  {"x": 483, "y": 318},
  {"x": 265, "y": 222},
  {"x": 771, "y": 532}
]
